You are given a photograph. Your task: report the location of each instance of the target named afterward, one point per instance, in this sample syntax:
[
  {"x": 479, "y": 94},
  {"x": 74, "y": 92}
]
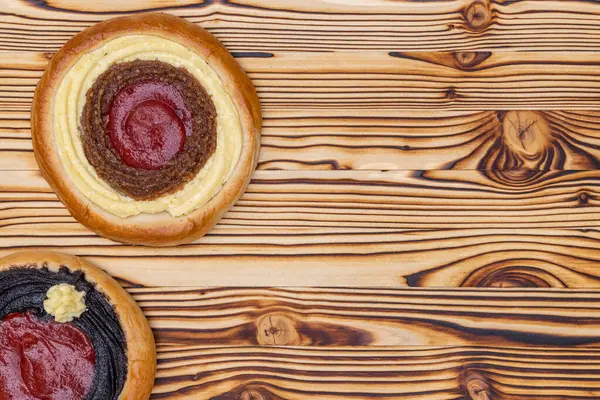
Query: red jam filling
[
  {"x": 44, "y": 360},
  {"x": 148, "y": 123}
]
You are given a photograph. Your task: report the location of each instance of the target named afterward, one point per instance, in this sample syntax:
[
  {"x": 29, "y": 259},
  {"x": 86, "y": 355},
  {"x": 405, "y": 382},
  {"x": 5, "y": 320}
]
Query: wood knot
[
  {"x": 250, "y": 391},
  {"x": 526, "y": 132},
  {"x": 475, "y": 386},
  {"x": 478, "y": 15},
  {"x": 500, "y": 275},
  {"x": 515, "y": 177},
  {"x": 583, "y": 199},
  {"x": 470, "y": 59},
  {"x": 521, "y": 178},
  {"x": 277, "y": 330},
  {"x": 452, "y": 94},
  {"x": 49, "y": 55},
  {"x": 513, "y": 279}
]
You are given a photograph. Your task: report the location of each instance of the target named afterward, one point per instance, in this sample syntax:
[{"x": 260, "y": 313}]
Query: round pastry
[
  {"x": 69, "y": 331},
  {"x": 146, "y": 128}
]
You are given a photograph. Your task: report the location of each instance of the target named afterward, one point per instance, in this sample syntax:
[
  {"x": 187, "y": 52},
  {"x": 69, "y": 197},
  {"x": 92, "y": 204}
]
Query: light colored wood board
[
  {"x": 320, "y": 25},
  {"x": 378, "y": 80},
  {"x": 349, "y": 228},
  {"x": 449, "y": 258},
  {"x": 430, "y": 139},
  {"x": 421, "y": 373},
  {"x": 363, "y": 200},
  {"x": 484, "y": 258},
  {"x": 390, "y": 140},
  {"x": 371, "y": 317}
]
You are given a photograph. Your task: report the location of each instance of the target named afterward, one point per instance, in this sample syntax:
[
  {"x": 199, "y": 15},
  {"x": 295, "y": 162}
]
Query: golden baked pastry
[
  {"x": 104, "y": 350},
  {"x": 146, "y": 128}
]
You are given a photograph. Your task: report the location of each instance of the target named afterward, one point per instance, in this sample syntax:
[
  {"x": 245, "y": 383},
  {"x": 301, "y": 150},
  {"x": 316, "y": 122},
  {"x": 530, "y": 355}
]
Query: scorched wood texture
[{"x": 423, "y": 223}]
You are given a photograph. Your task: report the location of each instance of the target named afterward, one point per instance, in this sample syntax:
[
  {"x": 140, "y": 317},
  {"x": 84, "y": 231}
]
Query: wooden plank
[
  {"x": 371, "y": 317},
  {"x": 430, "y": 139},
  {"x": 407, "y": 140},
  {"x": 421, "y": 373},
  {"x": 364, "y": 200},
  {"x": 378, "y": 80},
  {"x": 422, "y": 344},
  {"x": 287, "y": 343},
  {"x": 478, "y": 257},
  {"x": 320, "y": 25},
  {"x": 351, "y": 228}
]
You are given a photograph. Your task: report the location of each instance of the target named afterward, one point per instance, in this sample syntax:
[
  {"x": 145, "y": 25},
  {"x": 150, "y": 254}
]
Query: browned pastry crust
[
  {"x": 141, "y": 353},
  {"x": 149, "y": 229}
]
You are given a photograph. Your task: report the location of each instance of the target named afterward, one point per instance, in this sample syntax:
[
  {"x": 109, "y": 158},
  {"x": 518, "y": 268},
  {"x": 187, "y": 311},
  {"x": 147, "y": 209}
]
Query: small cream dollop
[{"x": 64, "y": 302}]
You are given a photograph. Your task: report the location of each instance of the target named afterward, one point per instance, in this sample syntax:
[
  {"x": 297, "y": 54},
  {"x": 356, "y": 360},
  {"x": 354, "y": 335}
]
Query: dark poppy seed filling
[
  {"x": 23, "y": 290},
  {"x": 147, "y": 128}
]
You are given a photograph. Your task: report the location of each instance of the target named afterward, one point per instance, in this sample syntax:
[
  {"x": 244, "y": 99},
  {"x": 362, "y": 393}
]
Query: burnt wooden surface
[{"x": 423, "y": 223}]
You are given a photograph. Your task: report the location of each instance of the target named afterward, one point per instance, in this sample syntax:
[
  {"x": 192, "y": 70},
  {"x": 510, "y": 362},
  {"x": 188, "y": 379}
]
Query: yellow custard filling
[
  {"x": 69, "y": 102},
  {"x": 64, "y": 302}
]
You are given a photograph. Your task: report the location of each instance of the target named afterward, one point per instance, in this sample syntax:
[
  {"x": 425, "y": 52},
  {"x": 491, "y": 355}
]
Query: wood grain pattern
[
  {"x": 371, "y": 317},
  {"x": 373, "y": 200},
  {"x": 261, "y": 343},
  {"x": 320, "y": 25},
  {"x": 424, "y": 221},
  {"x": 389, "y": 140},
  {"x": 378, "y": 80},
  {"x": 414, "y": 373},
  {"x": 352, "y": 228},
  {"x": 484, "y": 258},
  {"x": 426, "y": 140},
  {"x": 335, "y": 137}
]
